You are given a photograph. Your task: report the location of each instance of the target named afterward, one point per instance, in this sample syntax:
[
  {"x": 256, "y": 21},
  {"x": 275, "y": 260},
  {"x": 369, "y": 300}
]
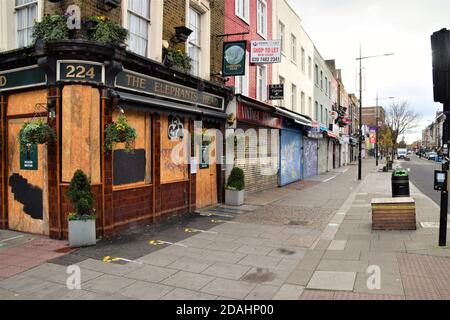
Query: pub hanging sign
[{"x": 233, "y": 63}]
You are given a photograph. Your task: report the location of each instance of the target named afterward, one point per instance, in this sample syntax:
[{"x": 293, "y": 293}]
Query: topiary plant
[
  {"x": 236, "y": 180},
  {"x": 81, "y": 197}
]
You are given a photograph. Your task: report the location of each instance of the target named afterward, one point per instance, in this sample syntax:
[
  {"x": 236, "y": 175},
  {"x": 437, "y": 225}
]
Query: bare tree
[{"x": 400, "y": 119}]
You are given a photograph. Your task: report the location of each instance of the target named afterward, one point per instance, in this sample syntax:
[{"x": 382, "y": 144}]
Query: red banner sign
[{"x": 259, "y": 117}]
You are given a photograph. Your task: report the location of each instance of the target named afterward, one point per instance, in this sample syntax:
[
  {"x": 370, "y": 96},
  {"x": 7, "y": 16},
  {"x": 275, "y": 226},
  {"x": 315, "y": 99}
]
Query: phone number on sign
[{"x": 266, "y": 60}]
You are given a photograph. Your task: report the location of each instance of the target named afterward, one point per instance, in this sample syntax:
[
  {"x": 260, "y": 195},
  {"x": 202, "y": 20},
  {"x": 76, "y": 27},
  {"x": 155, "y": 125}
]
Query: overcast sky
[{"x": 403, "y": 27}]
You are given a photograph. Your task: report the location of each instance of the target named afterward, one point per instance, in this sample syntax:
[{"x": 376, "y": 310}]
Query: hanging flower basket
[
  {"x": 120, "y": 132},
  {"x": 37, "y": 132}
]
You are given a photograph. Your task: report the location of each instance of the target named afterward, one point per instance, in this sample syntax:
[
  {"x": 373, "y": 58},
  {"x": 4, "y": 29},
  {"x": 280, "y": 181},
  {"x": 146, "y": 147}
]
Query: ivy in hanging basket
[
  {"x": 120, "y": 132},
  {"x": 35, "y": 132}
]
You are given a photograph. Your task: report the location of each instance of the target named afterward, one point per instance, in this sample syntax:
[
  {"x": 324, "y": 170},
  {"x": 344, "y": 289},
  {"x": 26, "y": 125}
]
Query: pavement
[{"x": 310, "y": 240}]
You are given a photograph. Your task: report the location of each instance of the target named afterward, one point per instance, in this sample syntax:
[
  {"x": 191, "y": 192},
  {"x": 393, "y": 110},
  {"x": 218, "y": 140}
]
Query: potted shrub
[
  {"x": 38, "y": 132},
  {"x": 178, "y": 60},
  {"x": 82, "y": 221},
  {"x": 104, "y": 31},
  {"x": 52, "y": 27},
  {"x": 234, "y": 190},
  {"x": 120, "y": 132}
]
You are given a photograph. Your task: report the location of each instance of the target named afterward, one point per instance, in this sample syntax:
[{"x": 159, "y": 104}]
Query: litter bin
[{"x": 400, "y": 183}]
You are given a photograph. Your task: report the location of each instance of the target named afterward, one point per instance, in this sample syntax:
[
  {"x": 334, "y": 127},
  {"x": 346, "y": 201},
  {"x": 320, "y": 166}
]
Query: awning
[
  {"x": 164, "y": 106},
  {"x": 298, "y": 118}
]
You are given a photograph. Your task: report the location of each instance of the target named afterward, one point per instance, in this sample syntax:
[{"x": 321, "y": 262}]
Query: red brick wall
[{"x": 233, "y": 24}]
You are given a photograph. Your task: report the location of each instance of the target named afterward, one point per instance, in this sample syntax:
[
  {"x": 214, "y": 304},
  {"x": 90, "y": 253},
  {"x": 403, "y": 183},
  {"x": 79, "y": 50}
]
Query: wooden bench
[{"x": 393, "y": 214}]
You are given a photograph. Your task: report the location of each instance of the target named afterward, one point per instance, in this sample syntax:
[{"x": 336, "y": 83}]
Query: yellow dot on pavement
[{"x": 107, "y": 259}]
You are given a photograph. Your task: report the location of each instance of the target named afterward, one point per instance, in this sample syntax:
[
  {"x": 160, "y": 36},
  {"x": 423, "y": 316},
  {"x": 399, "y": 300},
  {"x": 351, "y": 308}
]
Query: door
[
  {"x": 206, "y": 177},
  {"x": 310, "y": 157},
  {"x": 290, "y": 157},
  {"x": 27, "y": 188}
]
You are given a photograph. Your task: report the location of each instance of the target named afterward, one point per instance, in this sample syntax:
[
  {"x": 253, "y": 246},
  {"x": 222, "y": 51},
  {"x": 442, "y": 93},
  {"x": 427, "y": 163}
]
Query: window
[
  {"x": 281, "y": 35},
  {"x": 309, "y": 67},
  {"x": 309, "y": 106},
  {"x": 321, "y": 114},
  {"x": 294, "y": 97},
  {"x": 321, "y": 80},
  {"x": 261, "y": 83},
  {"x": 282, "y": 81},
  {"x": 26, "y": 15},
  {"x": 138, "y": 25},
  {"x": 303, "y": 60},
  {"x": 326, "y": 117},
  {"x": 316, "y": 113},
  {"x": 262, "y": 18},
  {"x": 302, "y": 102},
  {"x": 326, "y": 86},
  {"x": 194, "y": 45},
  {"x": 316, "y": 74},
  {"x": 242, "y": 9},
  {"x": 241, "y": 82},
  {"x": 293, "y": 48},
  {"x": 329, "y": 88}
]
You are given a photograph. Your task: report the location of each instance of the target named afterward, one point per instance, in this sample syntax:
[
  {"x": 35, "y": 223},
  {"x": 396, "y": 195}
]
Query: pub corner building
[{"x": 78, "y": 88}]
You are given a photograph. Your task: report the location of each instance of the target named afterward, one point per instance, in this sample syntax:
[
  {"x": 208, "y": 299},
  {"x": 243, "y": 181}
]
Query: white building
[{"x": 296, "y": 67}]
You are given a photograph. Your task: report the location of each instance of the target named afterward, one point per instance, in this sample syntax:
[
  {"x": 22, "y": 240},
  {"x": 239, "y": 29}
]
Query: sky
[{"x": 402, "y": 27}]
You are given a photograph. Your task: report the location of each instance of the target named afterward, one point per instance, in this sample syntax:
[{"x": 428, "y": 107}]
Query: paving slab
[
  {"x": 342, "y": 265},
  {"x": 260, "y": 261},
  {"x": 229, "y": 288},
  {"x": 391, "y": 284},
  {"x": 151, "y": 273},
  {"x": 108, "y": 284},
  {"x": 262, "y": 292},
  {"x": 343, "y": 255},
  {"x": 109, "y": 268},
  {"x": 227, "y": 270},
  {"x": 184, "y": 294},
  {"x": 195, "y": 265},
  {"x": 146, "y": 291},
  {"x": 337, "y": 245},
  {"x": 300, "y": 277},
  {"x": 289, "y": 292},
  {"x": 158, "y": 259},
  {"x": 254, "y": 250},
  {"x": 332, "y": 280},
  {"x": 188, "y": 280}
]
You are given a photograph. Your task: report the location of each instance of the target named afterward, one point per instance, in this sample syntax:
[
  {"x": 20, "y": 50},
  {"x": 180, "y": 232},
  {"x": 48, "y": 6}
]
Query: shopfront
[
  {"x": 323, "y": 151},
  {"x": 310, "y": 152},
  {"x": 258, "y": 128},
  {"x": 78, "y": 89}
]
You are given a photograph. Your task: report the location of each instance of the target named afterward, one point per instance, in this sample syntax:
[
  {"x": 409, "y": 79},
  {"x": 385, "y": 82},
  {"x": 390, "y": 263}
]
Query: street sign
[
  {"x": 265, "y": 51},
  {"x": 276, "y": 91}
]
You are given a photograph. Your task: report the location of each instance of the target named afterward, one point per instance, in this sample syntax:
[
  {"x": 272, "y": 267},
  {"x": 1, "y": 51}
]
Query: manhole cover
[
  {"x": 286, "y": 252},
  {"x": 298, "y": 223},
  {"x": 260, "y": 276}
]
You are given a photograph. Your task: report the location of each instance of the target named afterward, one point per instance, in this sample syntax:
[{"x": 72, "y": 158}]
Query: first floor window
[
  {"x": 310, "y": 110},
  {"x": 27, "y": 12},
  {"x": 317, "y": 112},
  {"x": 138, "y": 25},
  {"x": 294, "y": 97},
  {"x": 261, "y": 80},
  {"x": 262, "y": 18},
  {"x": 194, "y": 43},
  {"x": 302, "y": 101},
  {"x": 242, "y": 9}
]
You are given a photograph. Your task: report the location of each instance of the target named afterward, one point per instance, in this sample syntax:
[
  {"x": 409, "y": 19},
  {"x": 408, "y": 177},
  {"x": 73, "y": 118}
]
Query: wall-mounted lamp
[{"x": 182, "y": 33}]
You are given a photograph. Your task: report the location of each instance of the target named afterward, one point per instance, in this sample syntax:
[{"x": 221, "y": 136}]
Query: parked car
[{"x": 432, "y": 156}]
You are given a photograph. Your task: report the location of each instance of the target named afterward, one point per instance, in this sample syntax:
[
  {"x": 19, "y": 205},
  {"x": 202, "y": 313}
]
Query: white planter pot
[
  {"x": 234, "y": 197},
  {"x": 82, "y": 233}
]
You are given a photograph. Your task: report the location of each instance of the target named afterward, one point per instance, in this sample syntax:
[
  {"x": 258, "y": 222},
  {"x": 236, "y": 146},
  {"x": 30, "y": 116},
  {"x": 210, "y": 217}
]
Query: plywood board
[
  {"x": 27, "y": 189},
  {"x": 173, "y": 171},
  {"x": 206, "y": 178},
  {"x": 81, "y": 132},
  {"x": 25, "y": 102}
]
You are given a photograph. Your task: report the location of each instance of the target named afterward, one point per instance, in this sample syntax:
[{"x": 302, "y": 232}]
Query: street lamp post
[
  {"x": 360, "y": 106},
  {"x": 378, "y": 125}
]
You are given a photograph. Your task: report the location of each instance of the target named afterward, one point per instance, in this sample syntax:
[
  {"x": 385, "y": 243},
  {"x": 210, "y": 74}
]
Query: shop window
[
  {"x": 81, "y": 147},
  {"x": 134, "y": 169},
  {"x": 173, "y": 163}
]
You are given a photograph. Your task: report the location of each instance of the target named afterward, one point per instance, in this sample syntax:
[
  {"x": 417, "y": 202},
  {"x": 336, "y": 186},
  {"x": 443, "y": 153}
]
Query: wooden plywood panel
[
  {"x": 25, "y": 102},
  {"x": 81, "y": 132},
  {"x": 140, "y": 159},
  {"x": 27, "y": 189},
  {"x": 206, "y": 178},
  {"x": 171, "y": 171}
]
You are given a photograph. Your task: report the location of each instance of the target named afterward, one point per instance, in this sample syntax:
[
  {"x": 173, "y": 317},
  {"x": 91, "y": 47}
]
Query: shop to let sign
[
  {"x": 266, "y": 51},
  {"x": 29, "y": 158}
]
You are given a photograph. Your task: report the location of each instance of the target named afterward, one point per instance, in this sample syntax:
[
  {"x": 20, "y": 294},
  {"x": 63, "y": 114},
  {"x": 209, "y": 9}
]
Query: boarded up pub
[{"x": 78, "y": 88}]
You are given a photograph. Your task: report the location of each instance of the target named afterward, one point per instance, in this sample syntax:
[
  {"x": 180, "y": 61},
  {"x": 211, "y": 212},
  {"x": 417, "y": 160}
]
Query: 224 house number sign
[{"x": 80, "y": 71}]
